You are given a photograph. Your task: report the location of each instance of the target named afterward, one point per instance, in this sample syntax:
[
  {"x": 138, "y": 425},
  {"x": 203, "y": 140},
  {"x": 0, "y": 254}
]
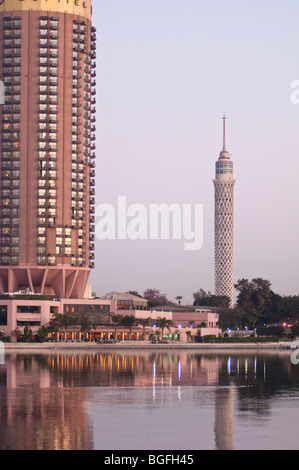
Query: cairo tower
[{"x": 224, "y": 224}]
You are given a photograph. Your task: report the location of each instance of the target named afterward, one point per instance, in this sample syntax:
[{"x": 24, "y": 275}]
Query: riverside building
[
  {"x": 224, "y": 223},
  {"x": 47, "y": 146},
  {"x": 47, "y": 162}
]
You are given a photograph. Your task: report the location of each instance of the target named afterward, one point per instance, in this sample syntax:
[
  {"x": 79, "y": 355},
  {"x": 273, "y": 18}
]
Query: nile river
[{"x": 132, "y": 400}]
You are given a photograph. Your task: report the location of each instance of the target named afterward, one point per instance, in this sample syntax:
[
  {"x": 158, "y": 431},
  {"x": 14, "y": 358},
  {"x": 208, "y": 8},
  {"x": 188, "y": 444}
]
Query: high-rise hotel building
[
  {"x": 224, "y": 224},
  {"x": 47, "y": 146}
]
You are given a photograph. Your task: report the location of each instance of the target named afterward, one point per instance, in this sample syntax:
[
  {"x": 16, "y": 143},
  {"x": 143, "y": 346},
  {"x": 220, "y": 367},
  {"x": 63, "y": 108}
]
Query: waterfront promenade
[{"x": 145, "y": 345}]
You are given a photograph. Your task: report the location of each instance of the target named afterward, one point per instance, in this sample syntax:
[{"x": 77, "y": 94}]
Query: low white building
[{"x": 202, "y": 322}]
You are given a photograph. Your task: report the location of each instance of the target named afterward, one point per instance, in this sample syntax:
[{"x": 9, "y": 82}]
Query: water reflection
[{"x": 45, "y": 399}]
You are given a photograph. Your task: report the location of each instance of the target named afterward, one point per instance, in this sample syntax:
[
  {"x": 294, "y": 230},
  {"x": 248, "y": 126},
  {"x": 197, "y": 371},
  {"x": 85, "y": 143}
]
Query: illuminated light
[
  {"x": 284, "y": 324},
  {"x": 154, "y": 369},
  {"x": 179, "y": 326},
  {"x": 179, "y": 370},
  {"x": 229, "y": 365},
  {"x": 154, "y": 326}
]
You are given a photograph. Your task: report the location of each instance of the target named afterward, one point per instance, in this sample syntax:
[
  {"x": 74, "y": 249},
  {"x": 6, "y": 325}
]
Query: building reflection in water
[{"x": 44, "y": 398}]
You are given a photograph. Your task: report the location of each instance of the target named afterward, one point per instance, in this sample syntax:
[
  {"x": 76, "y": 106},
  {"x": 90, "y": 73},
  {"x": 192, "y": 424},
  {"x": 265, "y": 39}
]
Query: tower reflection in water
[{"x": 44, "y": 398}]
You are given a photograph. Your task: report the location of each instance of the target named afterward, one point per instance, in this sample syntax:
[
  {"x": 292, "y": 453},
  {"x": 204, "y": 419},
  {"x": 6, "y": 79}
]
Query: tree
[
  {"x": 85, "y": 324},
  {"x": 189, "y": 336},
  {"x": 116, "y": 321},
  {"x": 27, "y": 335},
  {"x": 295, "y": 330},
  {"x": 144, "y": 322},
  {"x": 291, "y": 307},
  {"x": 134, "y": 292},
  {"x": 129, "y": 321},
  {"x": 206, "y": 299},
  {"x": 43, "y": 333},
  {"x": 254, "y": 299},
  {"x": 179, "y": 298},
  {"x": 164, "y": 323},
  {"x": 155, "y": 298},
  {"x": 63, "y": 321}
]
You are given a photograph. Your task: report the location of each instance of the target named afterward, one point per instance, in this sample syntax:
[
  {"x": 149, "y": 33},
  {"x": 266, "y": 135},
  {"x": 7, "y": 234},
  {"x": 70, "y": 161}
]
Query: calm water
[{"x": 149, "y": 401}]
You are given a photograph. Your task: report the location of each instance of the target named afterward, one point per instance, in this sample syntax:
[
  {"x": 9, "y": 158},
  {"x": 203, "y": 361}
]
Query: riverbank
[{"x": 145, "y": 345}]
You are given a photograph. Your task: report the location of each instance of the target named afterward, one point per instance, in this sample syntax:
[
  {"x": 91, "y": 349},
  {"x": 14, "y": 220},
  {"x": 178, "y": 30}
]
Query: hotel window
[
  {"x": 68, "y": 241},
  {"x": 52, "y": 212},
  {"x": 59, "y": 250}
]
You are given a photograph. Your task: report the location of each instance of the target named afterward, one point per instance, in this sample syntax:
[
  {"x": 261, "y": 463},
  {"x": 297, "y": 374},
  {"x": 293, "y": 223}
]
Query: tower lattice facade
[{"x": 224, "y": 224}]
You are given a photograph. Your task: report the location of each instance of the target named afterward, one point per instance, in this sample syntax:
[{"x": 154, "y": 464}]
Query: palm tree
[
  {"x": 116, "y": 320},
  {"x": 164, "y": 323},
  {"x": 85, "y": 325},
  {"x": 144, "y": 322},
  {"x": 129, "y": 321},
  {"x": 63, "y": 321}
]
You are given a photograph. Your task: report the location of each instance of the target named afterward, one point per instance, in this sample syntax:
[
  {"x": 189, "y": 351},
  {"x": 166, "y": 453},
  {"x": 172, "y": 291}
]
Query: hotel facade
[{"x": 47, "y": 146}]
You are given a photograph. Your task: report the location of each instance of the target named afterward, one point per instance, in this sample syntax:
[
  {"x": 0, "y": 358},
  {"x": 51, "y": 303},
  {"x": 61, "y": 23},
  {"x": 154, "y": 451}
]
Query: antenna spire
[{"x": 224, "y": 119}]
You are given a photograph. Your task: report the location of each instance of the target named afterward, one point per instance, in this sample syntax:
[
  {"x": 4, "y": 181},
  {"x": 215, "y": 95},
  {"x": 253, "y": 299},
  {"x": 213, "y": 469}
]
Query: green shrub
[{"x": 270, "y": 331}]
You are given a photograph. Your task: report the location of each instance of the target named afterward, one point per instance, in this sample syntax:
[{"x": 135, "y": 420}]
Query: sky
[{"x": 167, "y": 71}]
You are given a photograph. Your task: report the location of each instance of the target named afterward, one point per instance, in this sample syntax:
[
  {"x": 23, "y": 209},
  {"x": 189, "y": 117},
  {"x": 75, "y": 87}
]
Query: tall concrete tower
[
  {"x": 47, "y": 146},
  {"x": 224, "y": 223}
]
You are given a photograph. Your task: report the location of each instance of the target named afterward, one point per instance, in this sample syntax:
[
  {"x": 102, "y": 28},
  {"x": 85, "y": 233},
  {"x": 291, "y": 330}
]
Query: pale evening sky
[{"x": 167, "y": 70}]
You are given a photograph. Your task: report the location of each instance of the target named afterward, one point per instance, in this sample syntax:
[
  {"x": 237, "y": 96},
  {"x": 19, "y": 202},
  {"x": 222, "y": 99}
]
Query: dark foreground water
[{"x": 149, "y": 401}]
